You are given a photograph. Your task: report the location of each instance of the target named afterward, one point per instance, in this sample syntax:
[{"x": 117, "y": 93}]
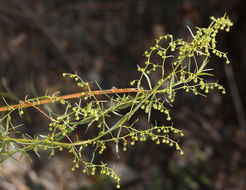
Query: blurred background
[{"x": 104, "y": 41}]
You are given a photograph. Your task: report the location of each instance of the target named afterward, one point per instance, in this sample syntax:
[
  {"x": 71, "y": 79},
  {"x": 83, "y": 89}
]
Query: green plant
[{"x": 182, "y": 68}]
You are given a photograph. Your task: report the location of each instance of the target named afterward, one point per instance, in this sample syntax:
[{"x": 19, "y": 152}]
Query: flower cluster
[
  {"x": 186, "y": 73},
  {"x": 158, "y": 134},
  {"x": 182, "y": 73}
]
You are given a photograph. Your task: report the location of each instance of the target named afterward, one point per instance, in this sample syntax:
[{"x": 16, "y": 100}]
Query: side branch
[{"x": 70, "y": 96}]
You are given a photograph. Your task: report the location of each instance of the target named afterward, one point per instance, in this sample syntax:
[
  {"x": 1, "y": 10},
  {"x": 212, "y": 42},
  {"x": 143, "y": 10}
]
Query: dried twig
[{"x": 70, "y": 96}]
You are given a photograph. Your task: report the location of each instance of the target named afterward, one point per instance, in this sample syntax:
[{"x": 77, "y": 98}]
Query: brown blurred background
[{"x": 104, "y": 41}]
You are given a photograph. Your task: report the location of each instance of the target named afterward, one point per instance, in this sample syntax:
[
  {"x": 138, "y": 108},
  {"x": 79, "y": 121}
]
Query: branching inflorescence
[{"x": 182, "y": 69}]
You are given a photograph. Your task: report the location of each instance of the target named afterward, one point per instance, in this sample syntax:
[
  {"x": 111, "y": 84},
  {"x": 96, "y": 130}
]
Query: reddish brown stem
[{"x": 71, "y": 96}]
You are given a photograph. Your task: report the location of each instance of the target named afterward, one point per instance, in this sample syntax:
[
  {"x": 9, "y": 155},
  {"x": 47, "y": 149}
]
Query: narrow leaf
[{"x": 149, "y": 83}]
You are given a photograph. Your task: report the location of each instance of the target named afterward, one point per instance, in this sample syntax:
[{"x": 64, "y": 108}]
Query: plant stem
[{"x": 70, "y": 96}]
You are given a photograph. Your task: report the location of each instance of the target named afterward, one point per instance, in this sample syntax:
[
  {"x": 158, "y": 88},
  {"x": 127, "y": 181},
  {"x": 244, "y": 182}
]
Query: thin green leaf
[
  {"x": 148, "y": 80},
  {"x": 204, "y": 63},
  {"x": 123, "y": 106},
  {"x": 93, "y": 156},
  {"x": 150, "y": 107},
  {"x": 36, "y": 152},
  {"x": 205, "y": 74},
  {"x": 171, "y": 85},
  {"x": 117, "y": 142},
  {"x": 116, "y": 113},
  {"x": 191, "y": 32}
]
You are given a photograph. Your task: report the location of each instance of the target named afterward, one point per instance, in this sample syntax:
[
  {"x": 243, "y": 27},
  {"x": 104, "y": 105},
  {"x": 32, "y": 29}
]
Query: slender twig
[
  {"x": 237, "y": 101},
  {"x": 41, "y": 111},
  {"x": 70, "y": 96}
]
